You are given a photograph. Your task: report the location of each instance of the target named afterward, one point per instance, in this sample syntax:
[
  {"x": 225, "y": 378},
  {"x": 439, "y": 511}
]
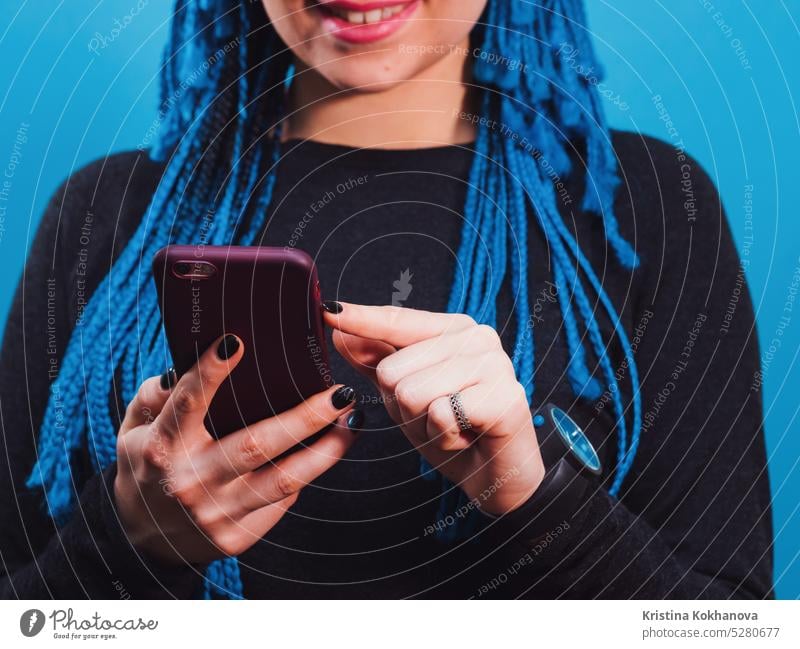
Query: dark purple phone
[{"x": 270, "y": 298}]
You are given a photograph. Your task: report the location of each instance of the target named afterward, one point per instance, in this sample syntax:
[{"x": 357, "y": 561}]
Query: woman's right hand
[{"x": 184, "y": 496}]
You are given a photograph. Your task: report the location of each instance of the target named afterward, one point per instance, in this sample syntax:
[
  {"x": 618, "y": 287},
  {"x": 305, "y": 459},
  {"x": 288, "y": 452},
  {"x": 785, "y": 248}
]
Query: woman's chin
[{"x": 367, "y": 79}]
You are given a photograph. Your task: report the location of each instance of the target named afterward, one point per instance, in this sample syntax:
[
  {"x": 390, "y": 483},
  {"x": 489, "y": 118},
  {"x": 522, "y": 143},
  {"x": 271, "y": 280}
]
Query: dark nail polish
[
  {"x": 343, "y": 397},
  {"x": 332, "y": 307},
  {"x": 169, "y": 379},
  {"x": 355, "y": 421},
  {"x": 228, "y": 347}
]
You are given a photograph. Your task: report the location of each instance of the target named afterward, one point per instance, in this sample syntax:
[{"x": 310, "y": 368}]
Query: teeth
[
  {"x": 356, "y": 17},
  {"x": 372, "y": 16}
]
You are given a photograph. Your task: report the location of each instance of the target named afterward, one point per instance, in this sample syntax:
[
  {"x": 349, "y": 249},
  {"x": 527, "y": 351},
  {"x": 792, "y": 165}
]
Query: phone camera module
[{"x": 193, "y": 269}]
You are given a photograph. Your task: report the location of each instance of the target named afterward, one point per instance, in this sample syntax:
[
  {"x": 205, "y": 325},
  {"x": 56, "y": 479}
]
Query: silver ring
[{"x": 457, "y": 407}]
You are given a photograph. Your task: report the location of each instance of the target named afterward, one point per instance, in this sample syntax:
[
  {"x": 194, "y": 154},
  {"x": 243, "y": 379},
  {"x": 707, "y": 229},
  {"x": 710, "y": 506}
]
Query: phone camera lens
[{"x": 182, "y": 268}]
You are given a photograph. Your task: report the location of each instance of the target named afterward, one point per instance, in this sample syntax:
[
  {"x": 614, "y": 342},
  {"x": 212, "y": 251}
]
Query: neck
[{"x": 417, "y": 113}]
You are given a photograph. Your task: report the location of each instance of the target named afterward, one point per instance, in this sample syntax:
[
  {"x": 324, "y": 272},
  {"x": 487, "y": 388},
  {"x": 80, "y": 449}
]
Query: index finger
[{"x": 397, "y": 326}]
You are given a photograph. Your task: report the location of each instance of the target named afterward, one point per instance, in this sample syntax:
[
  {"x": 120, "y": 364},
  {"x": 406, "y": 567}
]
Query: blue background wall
[{"x": 76, "y": 87}]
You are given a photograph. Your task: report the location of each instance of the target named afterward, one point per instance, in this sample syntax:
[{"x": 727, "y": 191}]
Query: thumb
[{"x": 363, "y": 354}]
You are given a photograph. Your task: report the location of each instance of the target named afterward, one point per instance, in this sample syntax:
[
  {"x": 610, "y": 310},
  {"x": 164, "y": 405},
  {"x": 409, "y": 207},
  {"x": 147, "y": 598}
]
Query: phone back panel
[{"x": 270, "y": 298}]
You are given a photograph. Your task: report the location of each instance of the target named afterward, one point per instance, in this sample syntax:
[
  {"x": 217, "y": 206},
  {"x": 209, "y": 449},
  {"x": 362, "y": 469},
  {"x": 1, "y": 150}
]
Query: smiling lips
[
  {"x": 364, "y": 22},
  {"x": 371, "y": 16}
]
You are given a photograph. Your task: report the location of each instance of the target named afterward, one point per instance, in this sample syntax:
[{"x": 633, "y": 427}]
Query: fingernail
[
  {"x": 355, "y": 421},
  {"x": 332, "y": 307},
  {"x": 169, "y": 379},
  {"x": 343, "y": 397},
  {"x": 228, "y": 347}
]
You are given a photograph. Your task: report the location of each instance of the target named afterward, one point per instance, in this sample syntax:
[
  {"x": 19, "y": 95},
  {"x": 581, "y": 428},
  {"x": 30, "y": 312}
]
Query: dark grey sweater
[{"x": 693, "y": 519}]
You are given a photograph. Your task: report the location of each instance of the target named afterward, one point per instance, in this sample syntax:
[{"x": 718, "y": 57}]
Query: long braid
[
  {"x": 546, "y": 105},
  {"x": 205, "y": 131},
  {"x": 224, "y": 80}
]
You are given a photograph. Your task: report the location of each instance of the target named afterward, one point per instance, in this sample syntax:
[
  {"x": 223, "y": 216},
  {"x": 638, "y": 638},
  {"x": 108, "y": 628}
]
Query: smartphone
[{"x": 270, "y": 298}]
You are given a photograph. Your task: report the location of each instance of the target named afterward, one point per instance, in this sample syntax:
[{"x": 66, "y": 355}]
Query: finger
[
  {"x": 414, "y": 393},
  {"x": 231, "y": 534},
  {"x": 252, "y": 447},
  {"x": 395, "y": 325},
  {"x": 255, "y": 525},
  {"x": 148, "y": 402},
  {"x": 485, "y": 405},
  {"x": 287, "y": 477},
  {"x": 414, "y": 358},
  {"x": 363, "y": 354},
  {"x": 186, "y": 408}
]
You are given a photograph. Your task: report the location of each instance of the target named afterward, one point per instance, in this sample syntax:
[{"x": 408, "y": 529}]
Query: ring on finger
[{"x": 457, "y": 406}]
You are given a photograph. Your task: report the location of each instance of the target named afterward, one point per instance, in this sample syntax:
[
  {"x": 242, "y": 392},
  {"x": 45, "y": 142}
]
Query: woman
[{"x": 448, "y": 162}]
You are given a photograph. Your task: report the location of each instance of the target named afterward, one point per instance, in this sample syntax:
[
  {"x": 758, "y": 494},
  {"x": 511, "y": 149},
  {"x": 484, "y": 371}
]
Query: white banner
[{"x": 398, "y": 624}]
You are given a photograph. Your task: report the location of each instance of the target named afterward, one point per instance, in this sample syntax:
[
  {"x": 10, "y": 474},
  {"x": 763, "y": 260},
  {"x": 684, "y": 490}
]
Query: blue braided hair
[{"x": 224, "y": 83}]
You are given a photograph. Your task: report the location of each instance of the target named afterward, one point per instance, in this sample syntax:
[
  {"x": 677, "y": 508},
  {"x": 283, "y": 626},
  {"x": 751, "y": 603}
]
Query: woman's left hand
[{"x": 417, "y": 359}]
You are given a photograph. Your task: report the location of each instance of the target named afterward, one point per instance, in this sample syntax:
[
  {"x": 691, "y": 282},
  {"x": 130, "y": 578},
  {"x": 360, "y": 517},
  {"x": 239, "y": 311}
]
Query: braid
[
  {"x": 548, "y": 105},
  {"x": 225, "y": 75},
  {"x": 210, "y": 118}
]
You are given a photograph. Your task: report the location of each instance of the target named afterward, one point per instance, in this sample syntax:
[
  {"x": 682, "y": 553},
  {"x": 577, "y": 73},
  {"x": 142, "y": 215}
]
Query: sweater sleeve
[
  {"x": 89, "y": 556},
  {"x": 693, "y": 519}
]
